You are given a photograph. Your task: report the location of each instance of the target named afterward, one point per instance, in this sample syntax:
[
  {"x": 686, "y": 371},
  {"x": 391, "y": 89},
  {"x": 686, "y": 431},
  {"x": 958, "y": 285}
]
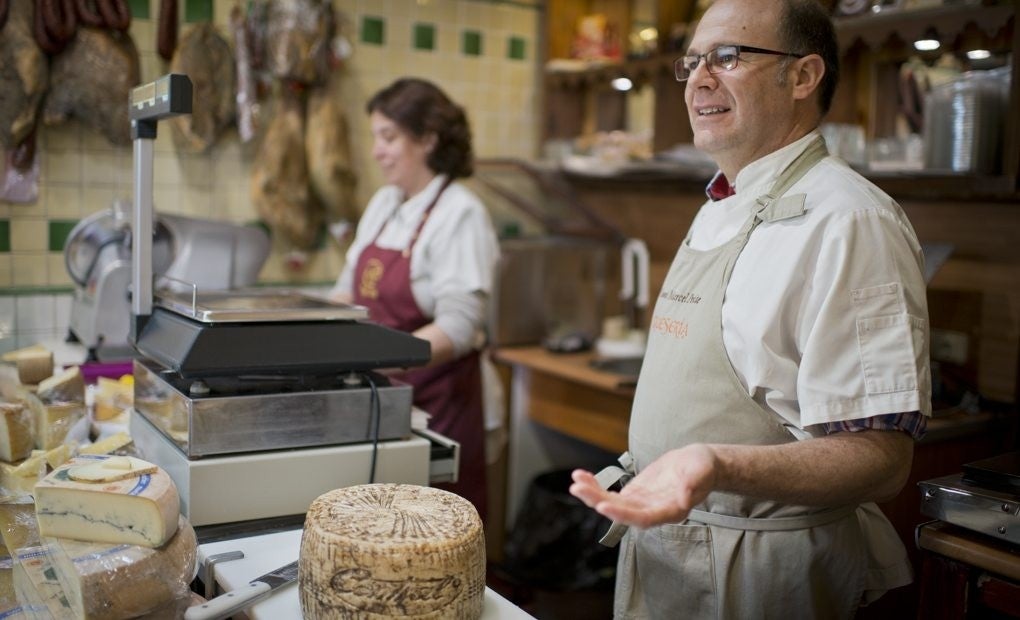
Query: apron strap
[
  {"x": 771, "y": 524},
  {"x": 608, "y": 477}
]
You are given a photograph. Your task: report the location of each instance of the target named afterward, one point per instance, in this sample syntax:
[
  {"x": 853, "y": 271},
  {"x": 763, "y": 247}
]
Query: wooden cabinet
[{"x": 873, "y": 47}]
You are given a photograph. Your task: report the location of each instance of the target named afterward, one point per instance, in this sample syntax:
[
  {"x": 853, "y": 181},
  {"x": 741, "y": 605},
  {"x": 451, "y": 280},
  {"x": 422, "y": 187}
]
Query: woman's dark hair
[
  {"x": 806, "y": 28},
  {"x": 419, "y": 107}
]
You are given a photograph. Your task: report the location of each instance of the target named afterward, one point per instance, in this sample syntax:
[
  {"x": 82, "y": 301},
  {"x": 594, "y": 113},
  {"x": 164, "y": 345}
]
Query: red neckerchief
[{"x": 719, "y": 187}]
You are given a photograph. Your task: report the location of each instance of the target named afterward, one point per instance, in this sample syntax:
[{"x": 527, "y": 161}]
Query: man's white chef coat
[{"x": 825, "y": 316}]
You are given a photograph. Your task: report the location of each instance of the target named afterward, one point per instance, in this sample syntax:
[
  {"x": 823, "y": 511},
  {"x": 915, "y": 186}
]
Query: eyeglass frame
[{"x": 678, "y": 65}]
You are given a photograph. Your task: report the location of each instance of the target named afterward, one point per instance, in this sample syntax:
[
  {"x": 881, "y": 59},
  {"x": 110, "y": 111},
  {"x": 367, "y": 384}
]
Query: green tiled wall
[
  {"x": 5, "y": 236},
  {"x": 198, "y": 10},
  {"x": 58, "y": 232},
  {"x": 424, "y": 37},
  {"x": 515, "y": 48},
  {"x": 139, "y": 9},
  {"x": 373, "y": 30},
  {"x": 471, "y": 44}
]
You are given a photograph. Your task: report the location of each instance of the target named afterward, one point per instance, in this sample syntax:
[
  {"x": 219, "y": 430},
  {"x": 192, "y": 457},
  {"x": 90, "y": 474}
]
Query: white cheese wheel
[
  {"x": 389, "y": 551},
  {"x": 16, "y": 439},
  {"x": 107, "y": 582},
  {"x": 137, "y": 511}
]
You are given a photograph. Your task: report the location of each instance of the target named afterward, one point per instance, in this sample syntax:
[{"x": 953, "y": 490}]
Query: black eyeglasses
[{"x": 722, "y": 58}]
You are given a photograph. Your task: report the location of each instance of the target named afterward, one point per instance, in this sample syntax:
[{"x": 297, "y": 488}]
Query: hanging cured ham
[
  {"x": 91, "y": 80},
  {"x": 23, "y": 74},
  {"x": 205, "y": 57},
  {"x": 330, "y": 171},
  {"x": 279, "y": 181}
]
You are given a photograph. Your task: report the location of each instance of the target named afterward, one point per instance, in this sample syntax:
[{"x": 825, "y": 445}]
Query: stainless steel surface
[
  {"x": 281, "y": 576},
  {"x": 266, "y": 413},
  {"x": 98, "y": 254},
  {"x": 549, "y": 284},
  {"x": 955, "y": 501},
  {"x": 239, "y": 488},
  {"x": 963, "y": 121},
  {"x": 259, "y": 305}
]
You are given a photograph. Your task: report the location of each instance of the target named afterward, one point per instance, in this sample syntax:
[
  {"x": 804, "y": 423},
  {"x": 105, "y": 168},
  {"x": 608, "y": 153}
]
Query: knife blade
[{"x": 226, "y": 605}]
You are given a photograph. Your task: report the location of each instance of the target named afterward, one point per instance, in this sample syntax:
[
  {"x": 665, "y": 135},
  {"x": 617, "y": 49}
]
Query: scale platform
[
  {"x": 988, "y": 504},
  {"x": 265, "y": 485}
]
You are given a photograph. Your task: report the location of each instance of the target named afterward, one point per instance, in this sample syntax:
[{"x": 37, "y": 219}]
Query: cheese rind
[
  {"x": 138, "y": 511},
  {"x": 391, "y": 550},
  {"x": 107, "y": 582},
  {"x": 33, "y": 363},
  {"x": 16, "y": 439}
]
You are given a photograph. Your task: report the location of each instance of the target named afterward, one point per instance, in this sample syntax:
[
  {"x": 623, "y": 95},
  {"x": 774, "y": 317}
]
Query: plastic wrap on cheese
[
  {"x": 103, "y": 581},
  {"x": 16, "y": 438},
  {"x": 10, "y": 608},
  {"x": 36, "y": 584},
  {"x": 18, "y": 526}
]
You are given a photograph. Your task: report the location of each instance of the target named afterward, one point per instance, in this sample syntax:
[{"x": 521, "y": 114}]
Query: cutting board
[{"x": 266, "y": 552}]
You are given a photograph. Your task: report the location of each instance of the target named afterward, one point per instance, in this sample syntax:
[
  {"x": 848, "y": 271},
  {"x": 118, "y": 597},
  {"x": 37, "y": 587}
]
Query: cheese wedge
[
  {"x": 20, "y": 478},
  {"x": 34, "y": 363},
  {"x": 107, "y": 582},
  {"x": 16, "y": 439},
  {"x": 111, "y": 469},
  {"x": 389, "y": 551},
  {"x": 53, "y": 421},
  {"x": 140, "y": 510},
  {"x": 67, "y": 386},
  {"x": 108, "y": 445},
  {"x": 112, "y": 397}
]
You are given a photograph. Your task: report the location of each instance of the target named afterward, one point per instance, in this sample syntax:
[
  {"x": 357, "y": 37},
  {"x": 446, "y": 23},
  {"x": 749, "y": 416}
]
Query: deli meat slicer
[{"x": 257, "y": 401}]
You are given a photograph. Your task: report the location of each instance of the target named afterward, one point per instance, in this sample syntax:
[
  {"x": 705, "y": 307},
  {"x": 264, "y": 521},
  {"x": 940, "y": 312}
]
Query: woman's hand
[{"x": 664, "y": 492}]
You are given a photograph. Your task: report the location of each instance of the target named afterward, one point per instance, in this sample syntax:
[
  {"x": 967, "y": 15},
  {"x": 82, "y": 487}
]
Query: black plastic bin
[{"x": 554, "y": 542}]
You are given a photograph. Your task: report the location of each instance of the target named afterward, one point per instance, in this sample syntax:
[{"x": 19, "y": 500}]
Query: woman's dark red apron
[{"x": 450, "y": 392}]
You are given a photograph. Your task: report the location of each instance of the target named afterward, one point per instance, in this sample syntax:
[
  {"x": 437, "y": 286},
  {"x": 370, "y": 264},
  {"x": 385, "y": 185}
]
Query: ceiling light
[
  {"x": 979, "y": 54},
  {"x": 622, "y": 84},
  {"x": 649, "y": 34},
  {"x": 926, "y": 45}
]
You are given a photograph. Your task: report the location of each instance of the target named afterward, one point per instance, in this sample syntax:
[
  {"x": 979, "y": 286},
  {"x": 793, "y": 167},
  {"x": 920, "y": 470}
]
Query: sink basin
[{"x": 626, "y": 366}]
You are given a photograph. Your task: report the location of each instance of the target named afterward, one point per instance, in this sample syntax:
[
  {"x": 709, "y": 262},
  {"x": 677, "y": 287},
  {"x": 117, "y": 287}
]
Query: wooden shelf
[{"x": 949, "y": 20}]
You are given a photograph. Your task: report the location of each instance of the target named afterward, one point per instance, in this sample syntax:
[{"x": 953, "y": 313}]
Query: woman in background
[{"x": 423, "y": 260}]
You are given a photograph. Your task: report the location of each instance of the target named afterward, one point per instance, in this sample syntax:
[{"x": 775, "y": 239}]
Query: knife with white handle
[{"x": 226, "y": 605}]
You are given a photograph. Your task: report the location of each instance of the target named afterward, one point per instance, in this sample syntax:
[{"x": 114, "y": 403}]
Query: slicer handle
[{"x": 226, "y": 605}]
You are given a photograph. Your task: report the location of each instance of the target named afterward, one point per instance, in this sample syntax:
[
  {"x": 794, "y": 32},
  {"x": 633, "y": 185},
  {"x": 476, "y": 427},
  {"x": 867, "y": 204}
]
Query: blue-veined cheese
[
  {"x": 141, "y": 510},
  {"x": 101, "y": 581},
  {"x": 391, "y": 550}
]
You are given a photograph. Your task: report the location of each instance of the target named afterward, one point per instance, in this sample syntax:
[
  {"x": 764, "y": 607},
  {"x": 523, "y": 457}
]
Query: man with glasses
[{"x": 763, "y": 432}]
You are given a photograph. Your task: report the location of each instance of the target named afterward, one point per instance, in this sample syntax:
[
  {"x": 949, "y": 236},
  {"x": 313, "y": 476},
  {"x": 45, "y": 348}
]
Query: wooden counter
[
  {"x": 966, "y": 574},
  {"x": 571, "y": 397}
]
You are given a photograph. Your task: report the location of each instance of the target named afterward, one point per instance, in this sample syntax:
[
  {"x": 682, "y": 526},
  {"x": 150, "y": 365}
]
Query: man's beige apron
[{"x": 735, "y": 557}]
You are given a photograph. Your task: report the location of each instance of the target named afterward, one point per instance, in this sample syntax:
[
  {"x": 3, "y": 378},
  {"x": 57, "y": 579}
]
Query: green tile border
[
  {"x": 373, "y": 30},
  {"x": 139, "y": 9},
  {"x": 471, "y": 43},
  {"x": 423, "y": 37},
  {"x": 58, "y": 232},
  {"x": 5, "y": 235},
  {"x": 198, "y": 10},
  {"x": 20, "y": 291},
  {"x": 515, "y": 48}
]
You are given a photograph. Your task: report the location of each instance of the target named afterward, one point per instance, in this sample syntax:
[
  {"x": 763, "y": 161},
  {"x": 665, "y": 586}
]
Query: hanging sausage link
[{"x": 166, "y": 38}]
